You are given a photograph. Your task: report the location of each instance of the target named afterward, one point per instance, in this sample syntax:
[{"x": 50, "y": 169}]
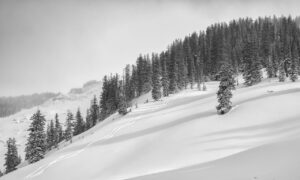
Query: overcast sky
[{"x": 57, "y": 45}]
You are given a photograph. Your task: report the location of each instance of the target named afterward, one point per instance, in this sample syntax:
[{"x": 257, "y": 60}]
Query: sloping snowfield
[{"x": 182, "y": 137}]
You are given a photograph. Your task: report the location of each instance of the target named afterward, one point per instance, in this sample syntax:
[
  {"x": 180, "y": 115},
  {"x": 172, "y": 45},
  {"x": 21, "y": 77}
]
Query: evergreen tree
[
  {"x": 293, "y": 72},
  {"x": 182, "y": 78},
  {"x": 94, "y": 111},
  {"x": 68, "y": 134},
  {"x": 173, "y": 71},
  {"x": 281, "y": 70},
  {"x": 165, "y": 80},
  {"x": 270, "y": 68},
  {"x": 12, "y": 159},
  {"x": 189, "y": 59},
  {"x": 58, "y": 131},
  {"x": 226, "y": 85},
  {"x": 50, "y": 135},
  {"x": 156, "y": 90},
  {"x": 89, "y": 123},
  {"x": 1, "y": 174},
  {"x": 36, "y": 142},
  {"x": 79, "y": 124},
  {"x": 129, "y": 95},
  {"x": 122, "y": 105},
  {"x": 252, "y": 68}
]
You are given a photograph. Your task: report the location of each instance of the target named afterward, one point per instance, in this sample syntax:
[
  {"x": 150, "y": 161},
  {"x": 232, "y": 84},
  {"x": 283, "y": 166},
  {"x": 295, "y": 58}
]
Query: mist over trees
[{"x": 11, "y": 105}]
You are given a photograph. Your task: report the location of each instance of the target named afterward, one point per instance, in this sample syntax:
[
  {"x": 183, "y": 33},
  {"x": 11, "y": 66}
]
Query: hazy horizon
[{"x": 53, "y": 46}]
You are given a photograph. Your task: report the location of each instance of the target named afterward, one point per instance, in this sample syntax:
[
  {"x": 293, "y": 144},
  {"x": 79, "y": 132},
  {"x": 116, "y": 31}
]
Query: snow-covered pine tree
[
  {"x": 12, "y": 159},
  {"x": 1, "y": 173},
  {"x": 156, "y": 90},
  {"x": 36, "y": 142},
  {"x": 226, "y": 85},
  {"x": 58, "y": 131},
  {"x": 68, "y": 134},
  {"x": 79, "y": 126}
]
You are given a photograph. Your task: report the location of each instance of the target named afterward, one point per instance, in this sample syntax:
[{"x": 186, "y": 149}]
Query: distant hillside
[{"x": 12, "y": 105}]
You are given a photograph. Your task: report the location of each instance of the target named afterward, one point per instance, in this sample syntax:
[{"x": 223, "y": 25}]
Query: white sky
[{"x": 57, "y": 45}]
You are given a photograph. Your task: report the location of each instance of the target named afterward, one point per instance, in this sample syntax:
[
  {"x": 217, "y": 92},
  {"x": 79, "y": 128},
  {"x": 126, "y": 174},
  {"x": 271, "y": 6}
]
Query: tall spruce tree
[
  {"x": 68, "y": 134},
  {"x": 226, "y": 85},
  {"x": 36, "y": 142},
  {"x": 79, "y": 123},
  {"x": 12, "y": 159},
  {"x": 156, "y": 90}
]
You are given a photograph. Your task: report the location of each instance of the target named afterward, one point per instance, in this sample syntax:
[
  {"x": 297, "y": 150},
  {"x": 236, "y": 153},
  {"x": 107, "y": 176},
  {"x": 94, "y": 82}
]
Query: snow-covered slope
[
  {"x": 182, "y": 137},
  {"x": 16, "y": 125}
]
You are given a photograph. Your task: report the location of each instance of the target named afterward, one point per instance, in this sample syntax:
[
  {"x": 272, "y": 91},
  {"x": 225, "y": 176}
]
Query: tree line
[{"x": 246, "y": 45}]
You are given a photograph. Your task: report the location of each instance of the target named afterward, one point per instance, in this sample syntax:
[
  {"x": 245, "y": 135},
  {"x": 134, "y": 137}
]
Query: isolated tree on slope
[
  {"x": 12, "y": 160},
  {"x": 226, "y": 85},
  {"x": 1, "y": 174},
  {"x": 36, "y": 142},
  {"x": 69, "y": 126},
  {"x": 156, "y": 92}
]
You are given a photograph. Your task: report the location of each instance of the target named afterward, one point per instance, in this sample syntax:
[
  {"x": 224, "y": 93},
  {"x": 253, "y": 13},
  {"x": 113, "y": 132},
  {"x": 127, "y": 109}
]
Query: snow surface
[{"x": 182, "y": 137}]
